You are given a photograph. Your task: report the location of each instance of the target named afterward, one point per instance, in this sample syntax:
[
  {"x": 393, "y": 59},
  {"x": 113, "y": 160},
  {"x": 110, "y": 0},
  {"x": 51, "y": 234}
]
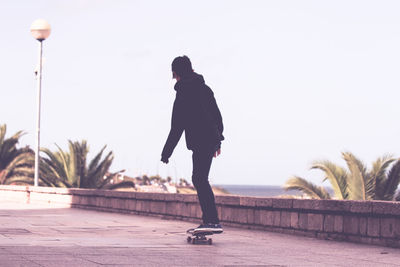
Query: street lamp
[{"x": 40, "y": 30}]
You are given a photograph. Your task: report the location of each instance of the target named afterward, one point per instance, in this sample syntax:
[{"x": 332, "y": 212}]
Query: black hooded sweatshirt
[{"x": 196, "y": 112}]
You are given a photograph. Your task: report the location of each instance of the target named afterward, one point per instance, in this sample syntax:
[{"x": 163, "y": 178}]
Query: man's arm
[
  {"x": 175, "y": 133},
  {"x": 215, "y": 113}
]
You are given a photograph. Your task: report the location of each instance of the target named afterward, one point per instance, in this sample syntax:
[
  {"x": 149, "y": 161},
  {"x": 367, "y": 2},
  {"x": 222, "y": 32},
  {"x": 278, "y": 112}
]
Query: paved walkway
[{"x": 32, "y": 235}]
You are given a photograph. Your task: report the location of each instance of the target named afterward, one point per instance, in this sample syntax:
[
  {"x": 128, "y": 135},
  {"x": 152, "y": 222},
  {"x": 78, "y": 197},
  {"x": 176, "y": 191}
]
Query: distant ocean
[{"x": 258, "y": 190}]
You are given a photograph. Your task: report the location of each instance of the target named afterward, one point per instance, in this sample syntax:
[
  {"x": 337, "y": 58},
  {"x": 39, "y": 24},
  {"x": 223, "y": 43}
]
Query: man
[{"x": 196, "y": 113}]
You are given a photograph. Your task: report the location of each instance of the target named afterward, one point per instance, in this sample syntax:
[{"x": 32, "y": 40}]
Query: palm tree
[
  {"x": 308, "y": 188},
  {"x": 355, "y": 182},
  {"x": 69, "y": 168},
  {"x": 16, "y": 164}
]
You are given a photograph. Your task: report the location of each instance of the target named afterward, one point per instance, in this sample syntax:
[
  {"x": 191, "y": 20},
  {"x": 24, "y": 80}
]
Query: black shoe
[{"x": 215, "y": 228}]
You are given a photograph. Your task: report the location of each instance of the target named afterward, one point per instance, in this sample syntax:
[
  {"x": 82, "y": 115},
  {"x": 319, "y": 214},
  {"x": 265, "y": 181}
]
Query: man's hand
[
  {"x": 217, "y": 153},
  {"x": 165, "y": 160}
]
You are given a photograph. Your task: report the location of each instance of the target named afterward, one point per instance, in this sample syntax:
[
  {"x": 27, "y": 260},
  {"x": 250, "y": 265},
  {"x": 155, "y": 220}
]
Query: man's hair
[{"x": 182, "y": 66}]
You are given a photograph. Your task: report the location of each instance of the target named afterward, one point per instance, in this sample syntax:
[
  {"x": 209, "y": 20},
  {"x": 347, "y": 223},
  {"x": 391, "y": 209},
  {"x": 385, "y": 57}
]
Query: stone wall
[{"x": 370, "y": 222}]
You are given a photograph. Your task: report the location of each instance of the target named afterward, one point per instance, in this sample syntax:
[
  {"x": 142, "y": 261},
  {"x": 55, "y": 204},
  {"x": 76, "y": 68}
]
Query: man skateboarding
[{"x": 196, "y": 113}]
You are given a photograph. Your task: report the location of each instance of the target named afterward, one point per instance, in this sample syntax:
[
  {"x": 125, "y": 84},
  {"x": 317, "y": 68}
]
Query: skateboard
[{"x": 199, "y": 237}]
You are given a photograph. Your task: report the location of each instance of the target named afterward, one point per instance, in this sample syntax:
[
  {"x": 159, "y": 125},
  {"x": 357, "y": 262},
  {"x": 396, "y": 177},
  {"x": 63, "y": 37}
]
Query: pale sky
[{"x": 296, "y": 81}]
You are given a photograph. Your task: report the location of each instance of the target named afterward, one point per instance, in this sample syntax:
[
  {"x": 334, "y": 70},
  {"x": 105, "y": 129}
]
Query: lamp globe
[{"x": 40, "y": 29}]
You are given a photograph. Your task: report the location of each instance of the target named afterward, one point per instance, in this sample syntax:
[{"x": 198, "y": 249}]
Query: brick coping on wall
[{"x": 370, "y": 222}]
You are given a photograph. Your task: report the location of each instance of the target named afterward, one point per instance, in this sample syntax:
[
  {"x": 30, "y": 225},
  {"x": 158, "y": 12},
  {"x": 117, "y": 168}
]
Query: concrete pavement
[{"x": 38, "y": 235}]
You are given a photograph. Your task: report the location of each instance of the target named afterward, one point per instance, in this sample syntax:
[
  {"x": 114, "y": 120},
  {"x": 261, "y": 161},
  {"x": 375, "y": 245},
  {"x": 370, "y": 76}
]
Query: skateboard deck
[{"x": 199, "y": 237}]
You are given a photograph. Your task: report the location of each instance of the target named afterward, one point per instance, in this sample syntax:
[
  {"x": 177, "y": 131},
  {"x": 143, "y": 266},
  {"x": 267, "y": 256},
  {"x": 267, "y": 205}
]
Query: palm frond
[
  {"x": 69, "y": 168},
  {"x": 397, "y": 197},
  {"x": 358, "y": 180},
  {"x": 20, "y": 180},
  {"x": 97, "y": 174},
  {"x": 3, "y": 131},
  {"x": 336, "y": 175},
  {"x": 378, "y": 174},
  {"x": 392, "y": 182},
  {"x": 308, "y": 188},
  {"x": 53, "y": 160}
]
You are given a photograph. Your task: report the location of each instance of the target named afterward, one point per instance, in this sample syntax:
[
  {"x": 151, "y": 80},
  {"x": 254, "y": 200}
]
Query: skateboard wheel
[
  {"x": 209, "y": 241},
  {"x": 189, "y": 239}
]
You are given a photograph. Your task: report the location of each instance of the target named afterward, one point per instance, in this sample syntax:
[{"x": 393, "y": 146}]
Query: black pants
[{"x": 202, "y": 159}]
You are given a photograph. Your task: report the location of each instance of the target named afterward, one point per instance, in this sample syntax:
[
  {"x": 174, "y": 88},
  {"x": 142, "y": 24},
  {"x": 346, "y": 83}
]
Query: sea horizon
[{"x": 258, "y": 190}]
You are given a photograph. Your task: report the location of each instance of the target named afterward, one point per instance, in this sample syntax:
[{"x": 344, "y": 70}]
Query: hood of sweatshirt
[{"x": 189, "y": 81}]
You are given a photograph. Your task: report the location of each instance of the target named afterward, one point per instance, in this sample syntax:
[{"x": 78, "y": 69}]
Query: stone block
[
  {"x": 90, "y": 201},
  {"x": 179, "y": 197},
  {"x": 147, "y": 206},
  {"x": 227, "y": 214},
  {"x": 319, "y": 205},
  {"x": 84, "y": 192},
  {"x": 276, "y": 218},
  {"x": 248, "y": 201},
  {"x": 386, "y": 207},
  {"x": 125, "y": 201},
  {"x": 158, "y": 207},
  {"x": 338, "y": 225},
  {"x": 99, "y": 202},
  {"x": 329, "y": 223},
  {"x": 303, "y": 221},
  {"x": 193, "y": 212},
  {"x": 186, "y": 209},
  {"x": 257, "y": 217},
  {"x": 170, "y": 197},
  {"x": 390, "y": 227},
  {"x": 266, "y": 218},
  {"x": 334, "y": 205},
  {"x": 282, "y": 203},
  {"x": 363, "y": 226},
  {"x": 180, "y": 208},
  {"x": 360, "y": 206},
  {"x": 294, "y": 220},
  {"x": 131, "y": 195},
  {"x": 241, "y": 216},
  {"x": 172, "y": 208},
  {"x": 373, "y": 227},
  {"x": 304, "y": 204},
  {"x": 250, "y": 216},
  {"x": 192, "y": 198},
  {"x": 139, "y": 205},
  {"x": 315, "y": 222},
  {"x": 157, "y": 196},
  {"x": 114, "y": 203},
  {"x": 285, "y": 219},
  {"x": 131, "y": 204},
  {"x": 228, "y": 200},
  {"x": 219, "y": 209},
  {"x": 351, "y": 224},
  {"x": 113, "y": 193},
  {"x": 264, "y": 202},
  {"x": 107, "y": 202}
]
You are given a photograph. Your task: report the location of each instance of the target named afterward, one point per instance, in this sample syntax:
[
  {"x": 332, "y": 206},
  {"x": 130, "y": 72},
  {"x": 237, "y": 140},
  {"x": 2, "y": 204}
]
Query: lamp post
[{"x": 40, "y": 30}]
